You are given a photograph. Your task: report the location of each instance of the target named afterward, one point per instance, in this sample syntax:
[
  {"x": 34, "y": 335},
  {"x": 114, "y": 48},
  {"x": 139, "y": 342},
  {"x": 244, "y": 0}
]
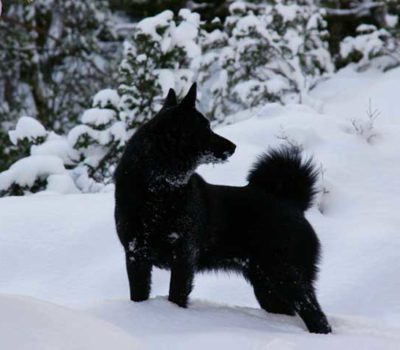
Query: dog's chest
[{"x": 165, "y": 222}]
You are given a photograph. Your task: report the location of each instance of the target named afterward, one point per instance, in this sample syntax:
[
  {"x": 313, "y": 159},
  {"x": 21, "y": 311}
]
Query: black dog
[{"x": 168, "y": 216}]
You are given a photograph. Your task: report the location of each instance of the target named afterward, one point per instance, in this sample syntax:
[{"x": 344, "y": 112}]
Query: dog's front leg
[
  {"x": 139, "y": 276},
  {"x": 182, "y": 275}
]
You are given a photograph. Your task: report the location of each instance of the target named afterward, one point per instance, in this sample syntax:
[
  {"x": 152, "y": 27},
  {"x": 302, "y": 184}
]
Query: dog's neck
[
  {"x": 169, "y": 183},
  {"x": 163, "y": 173}
]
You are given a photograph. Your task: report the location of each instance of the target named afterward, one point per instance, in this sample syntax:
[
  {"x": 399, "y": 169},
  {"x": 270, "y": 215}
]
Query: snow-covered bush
[
  {"x": 266, "y": 52},
  {"x": 82, "y": 160},
  {"x": 15, "y": 144},
  {"x": 43, "y": 166},
  {"x": 371, "y": 47}
]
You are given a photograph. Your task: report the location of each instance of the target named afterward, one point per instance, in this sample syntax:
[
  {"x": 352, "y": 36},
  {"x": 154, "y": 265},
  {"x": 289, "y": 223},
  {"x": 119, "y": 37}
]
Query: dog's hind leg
[
  {"x": 269, "y": 301},
  {"x": 306, "y": 304},
  {"x": 288, "y": 293},
  {"x": 181, "y": 284},
  {"x": 301, "y": 295}
]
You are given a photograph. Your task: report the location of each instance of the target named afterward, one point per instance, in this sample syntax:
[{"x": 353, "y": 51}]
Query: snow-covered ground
[{"x": 62, "y": 249}]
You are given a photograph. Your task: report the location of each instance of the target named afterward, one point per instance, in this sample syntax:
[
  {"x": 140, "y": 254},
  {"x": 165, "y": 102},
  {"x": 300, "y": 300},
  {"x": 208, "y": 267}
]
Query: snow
[
  {"x": 370, "y": 43},
  {"x": 98, "y": 116},
  {"x": 237, "y": 6},
  {"x": 166, "y": 79},
  {"x": 55, "y": 145},
  {"x": 288, "y": 12},
  {"x": 392, "y": 20},
  {"x": 185, "y": 31},
  {"x": 27, "y": 170},
  {"x": 106, "y": 98},
  {"x": 362, "y": 10},
  {"x": 65, "y": 250},
  {"x": 27, "y": 128},
  {"x": 149, "y": 25},
  {"x": 61, "y": 184},
  {"x": 118, "y": 132},
  {"x": 29, "y": 324},
  {"x": 101, "y": 136}
]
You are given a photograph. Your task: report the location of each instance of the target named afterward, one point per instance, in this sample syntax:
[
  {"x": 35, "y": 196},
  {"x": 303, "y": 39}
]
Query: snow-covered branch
[{"x": 362, "y": 10}]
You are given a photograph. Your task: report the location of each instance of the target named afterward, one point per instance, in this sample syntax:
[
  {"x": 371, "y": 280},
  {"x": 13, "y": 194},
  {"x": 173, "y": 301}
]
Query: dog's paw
[
  {"x": 179, "y": 301},
  {"x": 320, "y": 328},
  {"x": 139, "y": 298}
]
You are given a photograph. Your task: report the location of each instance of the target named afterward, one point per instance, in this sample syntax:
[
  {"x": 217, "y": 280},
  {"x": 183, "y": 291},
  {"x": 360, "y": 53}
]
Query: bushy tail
[{"x": 285, "y": 174}]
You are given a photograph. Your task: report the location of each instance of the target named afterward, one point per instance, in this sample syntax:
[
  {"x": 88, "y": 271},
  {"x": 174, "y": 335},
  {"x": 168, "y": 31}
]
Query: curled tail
[{"x": 285, "y": 174}]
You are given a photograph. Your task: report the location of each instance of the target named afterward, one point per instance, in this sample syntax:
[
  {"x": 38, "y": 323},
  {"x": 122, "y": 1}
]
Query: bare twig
[
  {"x": 323, "y": 189},
  {"x": 366, "y": 127},
  {"x": 289, "y": 140}
]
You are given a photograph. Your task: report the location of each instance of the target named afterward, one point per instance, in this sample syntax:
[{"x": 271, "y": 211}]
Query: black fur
[
  {"x": 168, "y": 216},
  {"x": 284, "y": 173}
]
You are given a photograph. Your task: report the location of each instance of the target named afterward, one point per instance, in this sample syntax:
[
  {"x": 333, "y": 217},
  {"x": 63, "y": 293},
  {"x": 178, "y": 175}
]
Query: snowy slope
[
  {"x": 29, "y": 324},
  {"x": 63, "y": 249}
]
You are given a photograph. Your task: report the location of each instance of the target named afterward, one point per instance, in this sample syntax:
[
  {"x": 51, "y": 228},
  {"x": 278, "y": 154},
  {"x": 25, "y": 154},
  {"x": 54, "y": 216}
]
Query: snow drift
[{"x": 29, "y": 324}]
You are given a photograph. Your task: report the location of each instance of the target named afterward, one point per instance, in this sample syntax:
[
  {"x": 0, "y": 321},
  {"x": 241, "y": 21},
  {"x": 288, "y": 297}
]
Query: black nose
[
  {"x": 220, "y": 147},
  {"x": 228, "y": 149},
  {"x": 232, "y": 148}
]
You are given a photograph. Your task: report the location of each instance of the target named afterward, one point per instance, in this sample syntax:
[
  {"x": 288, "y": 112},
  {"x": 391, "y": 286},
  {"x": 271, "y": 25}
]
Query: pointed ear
[
  {"x": 170, "y": 100},
  {"x": 189, "y": 100}
]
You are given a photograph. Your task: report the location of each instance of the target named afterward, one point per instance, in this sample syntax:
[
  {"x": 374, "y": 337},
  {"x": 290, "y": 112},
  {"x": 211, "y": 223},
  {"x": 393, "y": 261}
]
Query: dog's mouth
[
  {"x": 212, "y": 158},
  {"x": 225, "y": 155}
]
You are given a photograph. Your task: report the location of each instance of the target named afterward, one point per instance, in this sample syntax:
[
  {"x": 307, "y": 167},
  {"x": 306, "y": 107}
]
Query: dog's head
[{"x": 189, "y": 132}]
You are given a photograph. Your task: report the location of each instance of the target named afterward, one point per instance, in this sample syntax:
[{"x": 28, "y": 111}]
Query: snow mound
[{"x": 30, "y": 324}]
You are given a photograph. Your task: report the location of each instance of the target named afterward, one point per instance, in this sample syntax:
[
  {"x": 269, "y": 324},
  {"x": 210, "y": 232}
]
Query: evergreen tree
[
  {"x": 98, "y": 141},
  {"x": 345, "y": 18},
  {"x": 156, "y": 58},
  {"x": 370, "y": 46}
]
